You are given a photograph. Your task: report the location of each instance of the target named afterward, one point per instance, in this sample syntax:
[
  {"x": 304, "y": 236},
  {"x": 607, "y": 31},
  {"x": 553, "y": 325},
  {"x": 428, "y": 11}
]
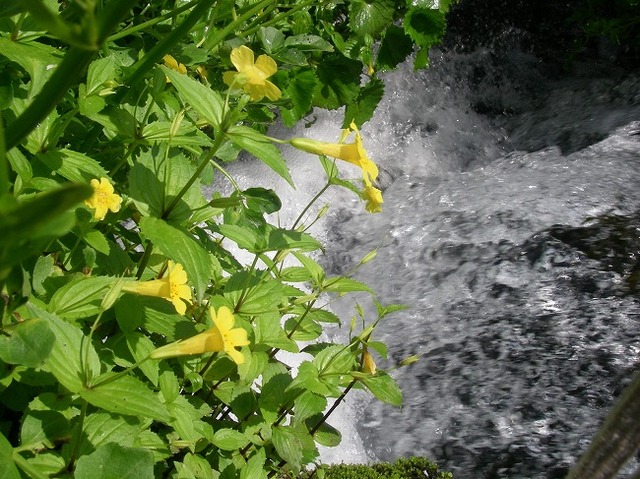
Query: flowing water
[{"x": 511, "y": 230}]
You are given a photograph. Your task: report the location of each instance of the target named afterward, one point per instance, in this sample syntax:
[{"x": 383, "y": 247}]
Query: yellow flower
[
  {"x": 172, "y": 287},
  {"x": 351, "y": 152},
  {"x": 172, "y": 63},
  {"x": 253, "y": 75},
  {"x": 368, "y": 364},
  {"x": 373, "y": 197},
  {"x": 221, "y": 337},
  {"x": 103, "y": 199}
]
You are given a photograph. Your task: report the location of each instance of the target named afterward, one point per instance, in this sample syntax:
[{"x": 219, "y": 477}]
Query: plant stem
[
  {"x": 150, "y": 23},
  {"x": 77, "y": 437},
  {"x": 617, "y": 439},
  {"x": 142, "y": 66},
  {"x": 306, "y": 208}
]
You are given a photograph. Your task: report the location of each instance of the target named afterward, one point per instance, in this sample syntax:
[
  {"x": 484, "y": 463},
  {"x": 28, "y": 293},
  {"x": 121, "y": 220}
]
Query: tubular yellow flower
[
  {"x": 172, "y": 63},
  {"x": 368, "y": 364},
  {"x": 373, "y": 197},
  {"x": 172, "y": 287},
  {"x": 221, "y": 337},
  {"x": 253, "y": 75},
  {"x": 103, "y": 199},
  {"x": 353, "y": 153}
]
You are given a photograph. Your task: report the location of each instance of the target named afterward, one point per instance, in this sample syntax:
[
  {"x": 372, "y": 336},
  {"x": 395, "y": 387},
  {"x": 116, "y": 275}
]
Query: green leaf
[
  {"x": 384, "y": 388},
  {"x": 184, "y": 135},
  {"x": 81, "y": 298},
  {"x": 308, "y": 404},
  {"x": 288, "y": 444},
  {"x": 112, "y": 461},
  {"x": 183, "y": 248},
  {"x": 229, "y": 439},
  {"x": 156, "y": 179},
  {"x": 72, "y": 357},
  {"x": 34, "y": 59},
  {"x": 308, "y": 378},
  {"x": 44, "y": 429},
  {"x": 272, "y": 39},
  {"x": 269, "y": 332},
  {"x": 300, "y": 90},
  {"x": 339, "y": 82},
  {"x": 140, "y": 347},
  {"x": 396, "y": 46},
  {"x": 308, "y": 42},
  {"x": 207, "y": 102},
  {"x": 255, "y": 466},
  {"x": 125, "y": 395},
  {"x": 326, "y": 434},
  {"x": 72, "y": 165},
  {"x": 101, "y": 428},
  {"x": 259, "y": 293},
  {"x": 8, "y": 469},
  {"x": 27, "y": 343},
  {"x": 305, "y": 330},
  {"x": 99, "y": 72},
  {"x": 262, "y": 200},
  {"x": 365, "y": 105},
  {"x": 344, "y": 285},
  {"x": 425, "y": 25},
  {"x": 370, "y": 17},
  {"x": 196, "y": 467},
  {"x": 261, "y": 147},
  {"x": 33, "y": 216},
  {"x": 281, "y": 239}
]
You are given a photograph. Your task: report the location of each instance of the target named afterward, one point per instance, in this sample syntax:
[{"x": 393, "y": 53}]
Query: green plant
[
  {"x": 133, "y": 341},
  {"x": 403, "y": 468}
]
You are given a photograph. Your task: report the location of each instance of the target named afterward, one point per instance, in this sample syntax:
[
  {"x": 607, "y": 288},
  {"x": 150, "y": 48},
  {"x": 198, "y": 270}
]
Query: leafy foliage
[{"x": 133, "y": 340}]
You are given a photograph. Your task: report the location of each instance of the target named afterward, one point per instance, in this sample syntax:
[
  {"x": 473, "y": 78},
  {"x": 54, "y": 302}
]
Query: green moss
[{"x": 404, "y": 468}]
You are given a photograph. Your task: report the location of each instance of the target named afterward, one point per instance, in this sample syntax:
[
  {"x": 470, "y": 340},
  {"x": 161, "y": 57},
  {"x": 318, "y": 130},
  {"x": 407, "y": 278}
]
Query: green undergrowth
[{"x": 403, "y": 468}]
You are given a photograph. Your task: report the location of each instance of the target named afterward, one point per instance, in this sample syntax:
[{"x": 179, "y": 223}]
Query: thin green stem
[
  {"x": 280, "y": 16},
  {"x": 306, "y": 208},
  {"x": 230, "y": 28},
  {"x": 124, "y": 159},
  {"x": 77, "y": 437},
  {"x": 144, "y": 261},
  {"x": 333, "y": 407},
  {"x": 148, "y": 61},
  {"x": 245, "y": 289},
  {"x": 149, "y": 23},
  {"x": 203, "y": 164},
  {"x": 27, "y": 467}
]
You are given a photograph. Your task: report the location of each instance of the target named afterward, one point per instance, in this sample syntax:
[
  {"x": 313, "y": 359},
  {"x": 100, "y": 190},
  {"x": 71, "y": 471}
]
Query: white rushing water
[{"x": 511, "y": 208}]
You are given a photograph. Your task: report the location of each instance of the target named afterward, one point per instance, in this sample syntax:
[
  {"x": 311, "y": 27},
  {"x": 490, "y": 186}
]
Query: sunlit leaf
[
  {"x": 125, "y": 395},
  {"x": 370, "y": 17},
  {"x": 113, "y": 461},
  {"x": 384, "y": 388},
  {"x": 261, "y": 147}
]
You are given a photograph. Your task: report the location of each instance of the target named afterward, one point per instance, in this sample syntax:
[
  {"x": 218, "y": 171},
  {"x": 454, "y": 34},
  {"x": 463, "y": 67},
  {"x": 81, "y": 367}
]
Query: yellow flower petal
[
  {"x": 103, "y": 199},
  {"x": 373, "y": 197},
  {"x": 266, "y": 65},
  {"x": 254, "y": 75},
  {"x": 242, "y": 58},
  {"x": 172, "y": 63},
  {"x": 172, "y": 286}
]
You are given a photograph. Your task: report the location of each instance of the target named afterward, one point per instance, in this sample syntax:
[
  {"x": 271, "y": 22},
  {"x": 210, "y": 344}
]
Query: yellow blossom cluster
[{"x": 353, "y": 153}]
